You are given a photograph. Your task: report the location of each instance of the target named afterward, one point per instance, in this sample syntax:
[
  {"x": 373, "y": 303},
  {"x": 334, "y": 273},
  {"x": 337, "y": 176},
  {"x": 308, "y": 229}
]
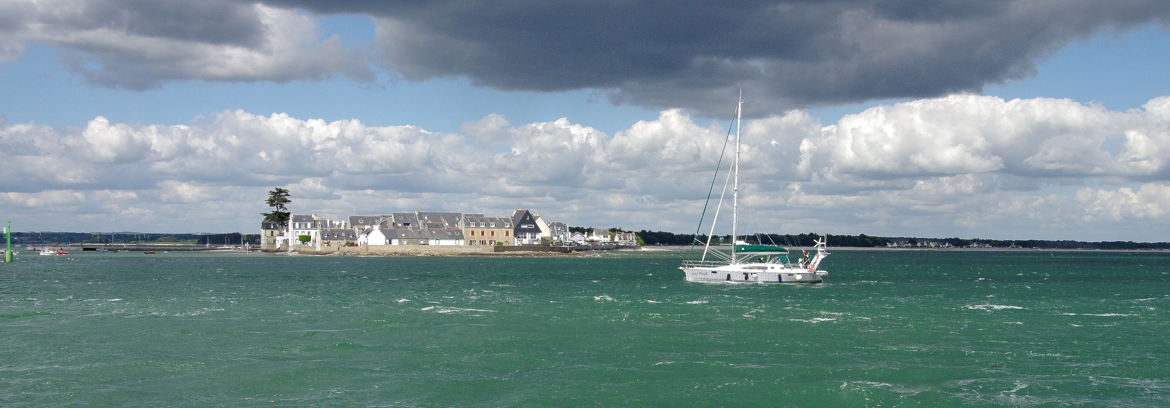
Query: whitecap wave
[
  {"x": 815, "y": 320},
  {"x": 446, "y": 310},
  {"x": 864, "y": 386},
  {"x": 992, "y": 307}
]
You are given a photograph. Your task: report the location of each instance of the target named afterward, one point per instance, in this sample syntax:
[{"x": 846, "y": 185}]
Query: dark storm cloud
[
  {"x": 139, "y": 44},
  {"x": 788, "y": 53},
  {"x": 941, "y": 10},
  {"x": 212, "y": 22},
  {"x": 653, "y": 54}
]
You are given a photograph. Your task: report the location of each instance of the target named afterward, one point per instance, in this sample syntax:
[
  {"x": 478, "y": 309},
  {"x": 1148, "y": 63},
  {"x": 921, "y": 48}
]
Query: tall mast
[{"x": 735, "y": 183}]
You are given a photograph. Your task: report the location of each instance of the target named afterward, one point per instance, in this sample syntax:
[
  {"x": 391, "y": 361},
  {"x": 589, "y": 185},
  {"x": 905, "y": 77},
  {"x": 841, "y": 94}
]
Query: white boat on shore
[{"x": 751, "y": 263}]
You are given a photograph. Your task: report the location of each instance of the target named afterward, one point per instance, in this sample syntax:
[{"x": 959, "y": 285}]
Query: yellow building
[{"x": 481, "y": 230}]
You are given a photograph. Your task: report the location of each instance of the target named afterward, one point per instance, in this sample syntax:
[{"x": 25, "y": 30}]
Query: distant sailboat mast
[
  {"x": 733, "y": 174},
  {"x": 735, "y": 183}
]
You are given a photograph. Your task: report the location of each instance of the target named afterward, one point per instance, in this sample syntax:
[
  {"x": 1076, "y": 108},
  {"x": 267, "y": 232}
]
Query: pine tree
[{"x": 278, "y": 200}]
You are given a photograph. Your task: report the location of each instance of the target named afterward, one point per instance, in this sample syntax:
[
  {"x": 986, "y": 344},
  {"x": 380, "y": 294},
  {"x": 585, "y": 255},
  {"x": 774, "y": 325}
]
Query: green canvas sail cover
[{"x": 760, "y": 248}]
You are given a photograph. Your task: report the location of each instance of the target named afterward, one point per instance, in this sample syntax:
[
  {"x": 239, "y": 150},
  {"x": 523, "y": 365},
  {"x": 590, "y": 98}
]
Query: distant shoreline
[
  {"x": 446, "y": 250},
  {"x": 544, "y": 251},
  {"x": 850, "y": 248},
  {"x": 189, "y": 241}
]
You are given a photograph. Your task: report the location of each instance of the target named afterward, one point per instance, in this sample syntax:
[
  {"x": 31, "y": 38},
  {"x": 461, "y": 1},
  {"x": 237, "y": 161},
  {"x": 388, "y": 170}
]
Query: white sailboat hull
[
  {"x": 751, "y": 273},
  {"x": 744, "y": 262}
]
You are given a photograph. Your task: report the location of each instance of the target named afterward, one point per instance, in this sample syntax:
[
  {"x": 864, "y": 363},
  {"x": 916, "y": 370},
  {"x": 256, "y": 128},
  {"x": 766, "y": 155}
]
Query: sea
[{"x": 902, "y": 328}]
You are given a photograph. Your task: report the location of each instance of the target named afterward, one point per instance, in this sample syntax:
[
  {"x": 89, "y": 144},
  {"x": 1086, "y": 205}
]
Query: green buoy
[{"x": 8, "y": 239}]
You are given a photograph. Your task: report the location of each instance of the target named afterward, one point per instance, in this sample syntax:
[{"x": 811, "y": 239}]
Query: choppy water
[{"x": 901, "y": 328}]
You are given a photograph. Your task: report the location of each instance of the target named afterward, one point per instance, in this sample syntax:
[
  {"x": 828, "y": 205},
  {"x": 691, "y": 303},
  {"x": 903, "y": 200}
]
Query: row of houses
[
  {"x": 523, "y": 227},
  {"x": 905, "y": 243}
]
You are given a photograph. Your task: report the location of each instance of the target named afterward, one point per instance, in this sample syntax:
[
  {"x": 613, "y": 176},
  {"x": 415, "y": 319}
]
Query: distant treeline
[
  {"x": 866, "y": 241},
  {"x": 669, "y": 238},
  {"x": 62, "y": 238}
]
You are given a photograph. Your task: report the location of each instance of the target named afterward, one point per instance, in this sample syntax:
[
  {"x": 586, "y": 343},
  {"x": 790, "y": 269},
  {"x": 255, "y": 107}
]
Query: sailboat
[{"x": 751, "y": 263}]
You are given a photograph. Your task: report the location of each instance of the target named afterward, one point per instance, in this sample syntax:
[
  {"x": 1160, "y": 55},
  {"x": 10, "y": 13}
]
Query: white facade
[
  {"x": 545, "y": 230},
  {"x": 598, "y": 235},
  {"x": 305, "y": 225},
  {"x": 577, "y": 238},
  {"x": 375, "y": 237},
  {"x": 626, "y": 238},
  {"x": 311, "y": 225}
]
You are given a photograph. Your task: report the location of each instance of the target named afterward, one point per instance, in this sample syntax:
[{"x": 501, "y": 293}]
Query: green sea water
[{"x": 888, "y": 328}]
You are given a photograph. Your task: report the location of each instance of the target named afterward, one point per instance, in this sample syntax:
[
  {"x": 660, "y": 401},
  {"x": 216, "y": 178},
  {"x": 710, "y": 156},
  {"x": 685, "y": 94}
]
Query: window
[
  {"x": 507, "y": 233},
  {"x": 493, "y": 233}
]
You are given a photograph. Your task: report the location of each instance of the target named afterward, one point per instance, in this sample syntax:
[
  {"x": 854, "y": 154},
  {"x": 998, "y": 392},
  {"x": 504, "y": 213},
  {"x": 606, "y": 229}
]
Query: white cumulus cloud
[{"x": 962, "y": 165}]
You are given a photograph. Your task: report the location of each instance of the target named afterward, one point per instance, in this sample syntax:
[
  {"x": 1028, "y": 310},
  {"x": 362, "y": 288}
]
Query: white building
[
  {"x": 598, "y": 235},
  {"x": 373, "y": 237},
  {"x": 304, "y": 225},
  {"x": 311, "y": 225}
]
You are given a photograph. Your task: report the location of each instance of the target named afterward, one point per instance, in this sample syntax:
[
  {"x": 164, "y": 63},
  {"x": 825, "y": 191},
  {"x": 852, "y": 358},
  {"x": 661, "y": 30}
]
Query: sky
[{"x": 995, "y": 119}]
